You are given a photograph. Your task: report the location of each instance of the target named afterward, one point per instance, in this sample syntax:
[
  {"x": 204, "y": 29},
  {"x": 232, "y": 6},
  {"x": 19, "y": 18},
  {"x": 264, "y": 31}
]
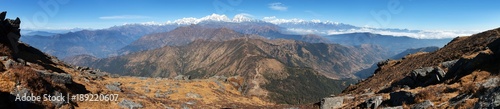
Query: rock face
[
  {"x": 424, "y": 76},
  {"x": 332, "y": 102},
  {"x": 13, "y": 32},
  {"x": 490, "y": 99},
  {"x": 398, "y": 98}
]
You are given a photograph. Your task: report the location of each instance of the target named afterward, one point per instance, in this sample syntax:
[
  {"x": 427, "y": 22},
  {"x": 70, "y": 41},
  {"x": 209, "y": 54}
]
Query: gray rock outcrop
[
  {"x": 10, "y": 28},
  {"x": 398, "y": 98},
  {"x": 332, "y": 102},
  {"x": 129, "y": 104},
  {"x": 373, "y": 103}
]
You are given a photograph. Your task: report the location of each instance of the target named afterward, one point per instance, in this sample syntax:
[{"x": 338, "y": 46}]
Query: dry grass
[
  {"x": 207, "y": 88},
  {"x": 4, "y": 50},
  {"x": 6, "y": 82},
  {"x": 469, "y": 104},
  {"x": 426, "y": 94}
]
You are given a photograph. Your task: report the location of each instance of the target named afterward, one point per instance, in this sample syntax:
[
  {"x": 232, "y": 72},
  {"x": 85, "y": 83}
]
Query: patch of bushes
[{"x": 303, "y": 86}]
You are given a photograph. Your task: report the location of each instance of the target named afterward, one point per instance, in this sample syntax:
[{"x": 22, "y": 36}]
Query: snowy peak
[
  {"x": 277, "y": 21},
  {"x": 215, "y": 17},
  {"x": 243, "y": 18}
]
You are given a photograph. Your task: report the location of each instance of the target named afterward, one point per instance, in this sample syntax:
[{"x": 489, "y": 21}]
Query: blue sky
[{"x": 411, "y": 14}]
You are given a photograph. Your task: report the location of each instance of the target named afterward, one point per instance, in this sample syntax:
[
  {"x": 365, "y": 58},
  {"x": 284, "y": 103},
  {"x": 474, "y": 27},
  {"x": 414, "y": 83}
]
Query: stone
[
  {"x": 58, "y": 103},
  {"x": 4, "y": 58},
  {"x": 171, "y": 92},
  {"x": 114, "y": 76},
  {"x": 160, "y": 95},
  {"x": 86, "y": 80},
  {"x": 490, "y": 99},
  {"x": 381, "y": 63},
  {"x": 9, "y": 63},
  {"x": 191, "y": 102},
  {"x": 449, "y": 64},
  {"x": 221, "y": 88},
  {"x": 184, "y": 106},
  {"x": 113, "y": 87},
  {"x": 332, "y": 102},
  {"x": 425, "y": 76},
  {"x": 193, "y": 95},
  {"x": 235, "y": 84},
  {"x": 459, "y": 99},
  {"x": 421, "y": 72},
  {"x": 373, "y": 103},
  {"x": 424, "y": 105},
  {"x": 129, "y": 104},
  {"x": 479, "y": 60},
  {"x": 21, "y": 91},
  {"x": 179, "y": 77},
  {"x": 54, "y": 60},
  {"x": 61, "y": 78},
  {"x": 186, "y": 77},
  {"x": 491, "y": 82},
  {"x": 398, "y": 98},
  {"x": 142, "y": 78},
  {"x": 220, "y": 78}
]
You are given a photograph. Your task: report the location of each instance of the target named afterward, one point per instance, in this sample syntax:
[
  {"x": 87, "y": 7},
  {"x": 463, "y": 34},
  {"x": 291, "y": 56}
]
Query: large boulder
[
  {"x": 332, "y": 102},
  {"x": 426, "y": 76},
  {"x": 61, "y": 78},
  {"x": 398, "y": 98},
  {"x": 449, "y": 64}
]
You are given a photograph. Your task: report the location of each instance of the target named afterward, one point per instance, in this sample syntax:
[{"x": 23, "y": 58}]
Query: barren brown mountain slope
[
  {"x": 462, "y": 74},
  {"x": 259, "y": 62}
]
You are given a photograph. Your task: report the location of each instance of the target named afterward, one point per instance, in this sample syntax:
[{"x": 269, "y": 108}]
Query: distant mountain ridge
[
  {"x": 212, "y": 31},
  {"x": 395, "y": 44},
  {"x": 99, "y": 43}
]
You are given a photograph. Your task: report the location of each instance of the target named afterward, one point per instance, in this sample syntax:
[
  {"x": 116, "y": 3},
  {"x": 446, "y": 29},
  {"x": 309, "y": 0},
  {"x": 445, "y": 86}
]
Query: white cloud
[
  {"x": 278, "y": 6},
  {"x": 124, "y": 17},
  {"x": 419, "y": 34}
]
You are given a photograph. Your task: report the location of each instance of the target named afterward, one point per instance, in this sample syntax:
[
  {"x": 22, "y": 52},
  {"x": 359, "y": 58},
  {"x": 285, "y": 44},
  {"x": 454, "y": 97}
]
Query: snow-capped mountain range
[{"x": 300, "y": 26}]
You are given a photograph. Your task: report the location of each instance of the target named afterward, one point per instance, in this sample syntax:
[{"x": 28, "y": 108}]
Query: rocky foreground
[{"x": 462, "y": 74}]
